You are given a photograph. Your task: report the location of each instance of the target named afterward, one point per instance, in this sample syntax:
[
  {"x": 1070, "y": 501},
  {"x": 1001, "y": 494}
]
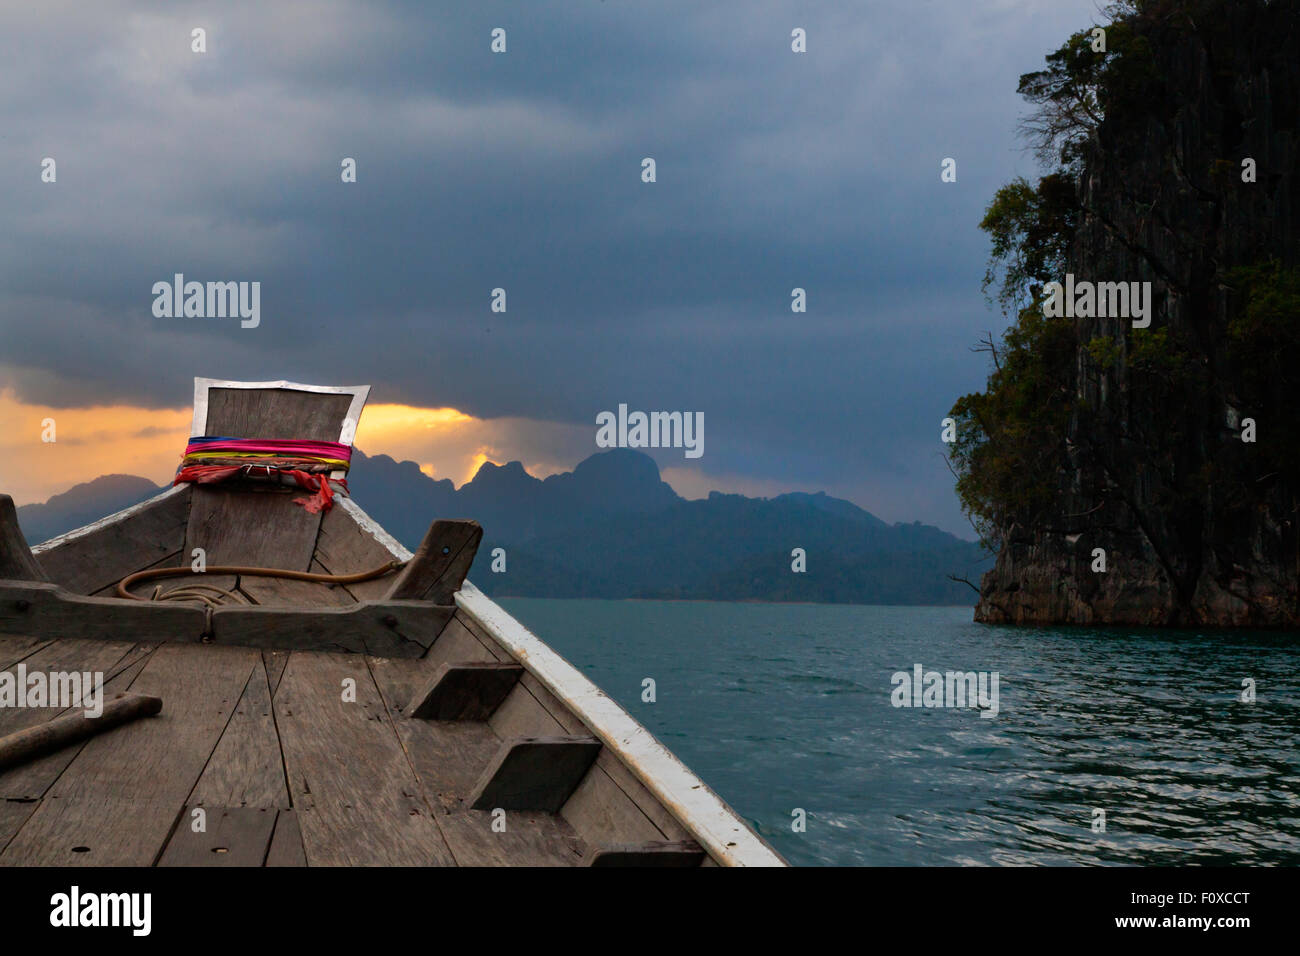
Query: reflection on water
[{"x": 785, "y": 706}]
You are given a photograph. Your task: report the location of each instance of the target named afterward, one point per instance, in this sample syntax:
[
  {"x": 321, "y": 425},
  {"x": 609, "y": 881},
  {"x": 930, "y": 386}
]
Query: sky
[{"x": 523, "y": 171}]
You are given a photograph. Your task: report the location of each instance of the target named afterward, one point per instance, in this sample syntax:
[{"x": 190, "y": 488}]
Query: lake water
[{"x": 780, "y": 707}]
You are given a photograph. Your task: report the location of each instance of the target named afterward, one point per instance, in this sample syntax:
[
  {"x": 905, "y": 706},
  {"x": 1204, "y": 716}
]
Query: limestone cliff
[{"x": 1198, "y": 526}]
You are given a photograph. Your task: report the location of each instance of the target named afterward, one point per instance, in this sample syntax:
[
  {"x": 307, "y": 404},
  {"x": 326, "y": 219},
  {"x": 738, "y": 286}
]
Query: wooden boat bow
[{"x": 363, "y": 704}]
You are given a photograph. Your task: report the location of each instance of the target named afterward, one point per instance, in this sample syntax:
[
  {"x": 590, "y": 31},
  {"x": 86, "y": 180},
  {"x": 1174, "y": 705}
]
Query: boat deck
[
  {"x": 290, "y": 770},
  {"x": 398, "y": 717}
]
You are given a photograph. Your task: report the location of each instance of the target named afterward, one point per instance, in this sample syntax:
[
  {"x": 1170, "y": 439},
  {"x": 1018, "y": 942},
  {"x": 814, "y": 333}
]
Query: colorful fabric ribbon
[
  {"x": 209, "y": 459},
  {"x": 331, "y": 453}
]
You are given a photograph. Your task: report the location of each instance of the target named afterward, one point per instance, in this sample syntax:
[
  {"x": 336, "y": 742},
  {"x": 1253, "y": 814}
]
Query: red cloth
[{"x": 322, "y": 500}]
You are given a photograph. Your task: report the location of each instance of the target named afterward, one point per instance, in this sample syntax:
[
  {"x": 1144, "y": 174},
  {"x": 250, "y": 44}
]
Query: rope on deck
[{"x": 202, "y": 593}]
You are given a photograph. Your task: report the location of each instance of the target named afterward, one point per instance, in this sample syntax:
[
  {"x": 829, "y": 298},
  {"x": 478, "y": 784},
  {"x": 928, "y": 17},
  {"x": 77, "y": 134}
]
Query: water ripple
[{"x": 780, "y": 707}]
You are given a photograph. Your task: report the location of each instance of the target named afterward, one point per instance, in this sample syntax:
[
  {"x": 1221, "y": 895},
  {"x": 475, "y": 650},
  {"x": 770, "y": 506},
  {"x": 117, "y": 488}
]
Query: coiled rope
[{"x": 199, "y": 592}]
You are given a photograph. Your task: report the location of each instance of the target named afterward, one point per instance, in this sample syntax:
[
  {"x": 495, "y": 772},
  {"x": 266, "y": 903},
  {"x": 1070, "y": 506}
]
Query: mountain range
[{"x": 612, "y": 528}]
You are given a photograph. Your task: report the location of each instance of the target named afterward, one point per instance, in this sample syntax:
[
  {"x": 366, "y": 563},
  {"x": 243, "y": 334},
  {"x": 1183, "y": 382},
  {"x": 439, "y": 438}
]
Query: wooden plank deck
[
  {"x": 294, "y": 758},
  {"x": 356, "y": 796},
  {"x": 119, "y": 661},
  {"x": 116, "y": 803}
]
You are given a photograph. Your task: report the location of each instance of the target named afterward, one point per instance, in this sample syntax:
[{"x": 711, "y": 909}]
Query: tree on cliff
[
  {"x": 1137, "y": 437},
  {"x": 1014, "y": 431}
]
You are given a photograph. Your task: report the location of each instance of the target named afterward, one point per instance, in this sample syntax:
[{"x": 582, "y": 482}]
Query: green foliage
[
  {"x": 1066, "y": 95},
  {"x": 1080, "y": 86},
  {"x": 1224, "y": 171},
  {"x": 1104, "y": 351},
  {"x": 1155, "y": 353},
  {"x": 1131, "y": 84},
  {"x": 1152, "y": 353},
  {"x": 1264, "y": 356},
  {"x": 1011, "y": 450},
  {"x": 1031, "y": 228},
  {"x": 1265, "y": 333},
  {"x": 1011, "y": 437}
]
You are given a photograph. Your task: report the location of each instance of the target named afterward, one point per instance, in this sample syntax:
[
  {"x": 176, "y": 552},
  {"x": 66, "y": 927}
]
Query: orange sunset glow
[{"x": 124, "y": 439}]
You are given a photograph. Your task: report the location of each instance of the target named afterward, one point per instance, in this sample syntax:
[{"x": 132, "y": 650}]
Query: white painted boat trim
[
  {"x": 106, "y": 522},
  {"x": 710, "y": 821},
  {"x": 714, "y": 824}
]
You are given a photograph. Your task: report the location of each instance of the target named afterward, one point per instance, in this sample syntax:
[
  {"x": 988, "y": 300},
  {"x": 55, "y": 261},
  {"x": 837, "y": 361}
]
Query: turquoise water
[{"x": 780, "y": 707}]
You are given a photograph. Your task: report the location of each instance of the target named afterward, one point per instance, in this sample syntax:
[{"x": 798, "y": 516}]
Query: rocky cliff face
[{"x": 1198, "y": 526}]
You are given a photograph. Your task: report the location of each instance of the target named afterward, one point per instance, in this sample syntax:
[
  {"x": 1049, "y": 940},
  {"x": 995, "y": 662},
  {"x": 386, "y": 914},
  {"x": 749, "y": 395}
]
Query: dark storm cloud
[{"x": 522, "y": 170}]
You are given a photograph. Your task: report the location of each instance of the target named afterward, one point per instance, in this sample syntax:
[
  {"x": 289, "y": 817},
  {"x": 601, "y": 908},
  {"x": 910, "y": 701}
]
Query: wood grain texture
[
  {"x": 610, "y": 805},
  {"x": 43, "y": 609},
  {"x": 652, "y": 854},
  {"x": 246, "y": 769},
  {"x": 86, "y": 657},
  {"x": 602, "y": 813},
  {"x": 23, "y": 746},
  {"x": 105, "y": 556},
  {"x": 448, "y": 759},
  {"x": 276, "y": 413},
  {"x": 282, "y": 592},
  {"x": 286, "y": 842},
  {"x": 274, "y": 662},
  {"x": 116, "y": 803},
  {"x": 16, "y": 559},
  {"x": 388, "y": 628},
  {"x": 438, "y": 568},
  {"x": 535, "y": 773},
  {"x": 357, "y": 799},
  {"x": 465, "y": 691},
  {"x": 144, "y": 588},
  {"x": 529, "y": 839},
  {"x": 520, "y": 715},
  {"x": 344, "y": 547},
  {"x": 16, "y": 647},
  {"x": 232, "y": 836},
  {"x": 33, "y": 780},
  {"x": 624, "y": 788},
  {"x": 457, "y": 644},
  {"x": 470, "y": 625},
  {"x": 254, "y": 528},
  {"x": 13, "y": 814}
]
